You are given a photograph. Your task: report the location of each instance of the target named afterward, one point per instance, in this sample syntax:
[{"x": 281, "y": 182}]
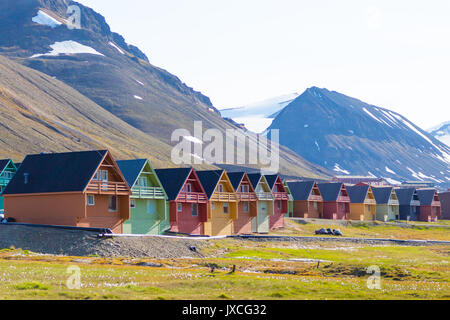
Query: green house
[
  {"x": 291, "y": 201},
  {"x": 387, "y": 203},
  {"x": 7, "y": 171},
  {"x": 149, "y": 211}
]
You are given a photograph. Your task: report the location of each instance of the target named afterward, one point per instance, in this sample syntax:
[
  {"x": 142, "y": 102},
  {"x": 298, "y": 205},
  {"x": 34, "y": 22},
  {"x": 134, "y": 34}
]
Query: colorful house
[
  {"x": 363, "y": 206},
  {"x": 444, "y": 197},
  {"x": 223, "y": 202},
  {"x": 81, "y": 189},
  {"x": 260, "y": 223},
  {"x": 430, "y": 206},
  {"x": 291, "y": 201},
  {"x": 187, "y": 200},
  {"x": 409, "y": 204},
  {"x": 248, "y": 202},
  {"x": 336, "y": 202},
  {"x": 280, "y": 201},
  {"x": 149, "y": 210},
  {"x": 387, "y": 203},
  {"x": 7, "y": 171},
  {"x": 308, "y": 202}
]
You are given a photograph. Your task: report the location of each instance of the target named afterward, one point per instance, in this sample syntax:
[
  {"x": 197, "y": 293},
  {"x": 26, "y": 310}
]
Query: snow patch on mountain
[
  {"x": 112, "y": 44},
  {"x": 68, "y": 47},
  {"x": 44, "y": 19}
]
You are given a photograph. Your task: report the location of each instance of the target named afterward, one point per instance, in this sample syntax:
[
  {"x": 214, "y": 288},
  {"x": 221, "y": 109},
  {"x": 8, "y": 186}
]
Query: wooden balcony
[
  {"x": 192, "y": 197},
  {"x": 4, "y": 182},
  {"x": 343, "y": 199},
  {"x": 110, "y": 187},
  {"x": 247, "y": 196},
  {"x": 415, "y": 203},
  {"x": 370, "y": 201},
  {"x": 264, "y": 195},
  {"x": 280, "y": 196},
  {"x": 393, "y": 202},
  {"x": 224, "y": 197},
  {"x": 436, "y": 203},
  {"x": 314, "y": 197},
  {"x": 148, "y": 193}
]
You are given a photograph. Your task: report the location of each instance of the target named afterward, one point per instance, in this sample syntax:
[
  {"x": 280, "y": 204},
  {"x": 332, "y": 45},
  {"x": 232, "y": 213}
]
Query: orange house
[
  {"x": 79, "y": 189},
  {"x": 247, "y": 207}
]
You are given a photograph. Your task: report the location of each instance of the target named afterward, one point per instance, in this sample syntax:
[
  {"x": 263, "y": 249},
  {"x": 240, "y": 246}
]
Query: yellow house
[
  {"x": 222, "y": 204},
  {"x": 363, "y": 206}
]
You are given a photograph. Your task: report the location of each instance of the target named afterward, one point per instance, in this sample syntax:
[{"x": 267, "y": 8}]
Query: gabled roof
[
  {"x": 330, "y": 191},
  {"x": 426, "y": 196},
  {"x": 173, "y": 180},
  {"x": 209, "y": 180},
  {"x": 382, "y": 194},
  {"x": 236, "y": 178},
  {"x": 301, "y": 190},
  {"x": 56, "y": 172},
  {"x": 271, "y": 179},
  {"x": 358, "y": 194},
  {"x": 405, "y": 195},
  {"x": 131, "y": 169},
  {"x": 254, "y": 178}
]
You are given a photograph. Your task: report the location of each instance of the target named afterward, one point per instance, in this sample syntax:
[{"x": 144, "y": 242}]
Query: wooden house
[
  {"x": 149, "y": 209},
  {"x": 430, "y": 206},
  {"x": 7, "y": 171},
  {"x": 444, "y": 197},
  {"x": 408, "y": 203},
  {"x": 308, "y": 201},
  {"x": 291, "y": 201},
  {"x": 81, "y": 189},
  {"x": 248, "y": 202},
  {"x": 187, "y": 200},
  {"x": 223, "y": 202},
  {"x": 280, "y": 201},
  {"x": 260, "y": 223},
  {"x": 363, "y": 206},
  {"x": 387, "y": 204},
  {"x": 336, "y": 202}
]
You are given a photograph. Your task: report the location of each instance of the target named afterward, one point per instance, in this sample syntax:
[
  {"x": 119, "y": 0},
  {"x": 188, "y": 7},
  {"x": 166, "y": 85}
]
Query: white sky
[{"x": 394, "y": 54}]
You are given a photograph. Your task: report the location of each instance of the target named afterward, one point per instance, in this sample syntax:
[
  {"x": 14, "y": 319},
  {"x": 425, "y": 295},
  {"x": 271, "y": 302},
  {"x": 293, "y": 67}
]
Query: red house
[
  {"x": 430, "y": 206},
  {"x": 281, "y": 201},
  {"x": 336, "y": 202},
  {"x": 187, "y": 200}
]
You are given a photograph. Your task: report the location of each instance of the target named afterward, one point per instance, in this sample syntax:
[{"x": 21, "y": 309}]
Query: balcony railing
[
  {"x": 280, "y": 196},
  {"x": 343, "y": 199},
  {"x": 415, "y": 203},
  {"x": 370, "y": 201},
  {"x": 264, "y": 195},
  {"x": 192, "y": 197},
  {"x": 108, "y": 187},
  {"x": 393, "y": 202},
  {"x": 314, "y": 197},
  {"x": 4, "y": 182},
  {"x": 224, "y": 196},
  {"x": 247, "y": 196},
  {"x": 148, "y": 192},
  {"x": 436, "y": 203}
]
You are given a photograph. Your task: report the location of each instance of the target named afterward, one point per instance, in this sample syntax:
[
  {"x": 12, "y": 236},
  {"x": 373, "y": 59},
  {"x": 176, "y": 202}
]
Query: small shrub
[{"x": 34, "y": 285}]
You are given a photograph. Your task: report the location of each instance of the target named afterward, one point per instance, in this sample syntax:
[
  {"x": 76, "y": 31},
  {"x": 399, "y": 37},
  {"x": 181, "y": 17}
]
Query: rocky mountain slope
[{"x": 348, "y": 136}]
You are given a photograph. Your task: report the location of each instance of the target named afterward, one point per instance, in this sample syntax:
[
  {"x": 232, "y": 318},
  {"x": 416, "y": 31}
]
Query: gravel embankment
[{"x": 84, "y": 243}]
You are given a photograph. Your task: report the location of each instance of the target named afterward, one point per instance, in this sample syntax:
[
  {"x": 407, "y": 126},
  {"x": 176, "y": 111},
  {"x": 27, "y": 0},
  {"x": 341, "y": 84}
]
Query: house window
[
  {"x": 180, "y": 207},
  {"x": 279, "y": 204},
  {"x": 90, "y": 200},
  {"x": 315, "y": 205},
  {"x": 132, "y": 203},
  {"x": 112, "y": 203},
  {"x": 263, "y": 206},
  {"x": 246, "y": 206},
  {"x": 142, "y": 182},
  {"x": 225, "y": 208},
  {"x": 194, "y": 209},
  {"x": 187, "y": 187},
  {"x": 369, "y": 208},
  {"x": 150, "y": 207},
  {"x": 343, "y": 206},
  {"x": 245, "y": 189},
  {"x": 220, "y": 188},
  {"x": 8, "y": 175},
  {"x": 101, "y": 175},
  {"x": 212, "y": 206}
]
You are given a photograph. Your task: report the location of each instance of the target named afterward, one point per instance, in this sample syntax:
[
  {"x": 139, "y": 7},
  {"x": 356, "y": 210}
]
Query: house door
[
  {"x": 151, "y": 207},
  {"x": 262, "y": 219}
]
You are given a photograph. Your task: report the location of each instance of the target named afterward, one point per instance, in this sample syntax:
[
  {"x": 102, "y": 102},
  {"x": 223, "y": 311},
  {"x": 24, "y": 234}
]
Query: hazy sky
[{"x": 394, "y": 54}]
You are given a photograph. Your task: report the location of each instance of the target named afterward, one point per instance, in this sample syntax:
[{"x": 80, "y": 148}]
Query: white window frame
[
  {"x": 132, "y": 203},
  {"x": 194, "y": 205},
  {"x": 179, "y": 207},
  {"x": 90, "y": 196},
  {"x": 188, "y": 187},
  {"x": 279, "y": 205},
  {"x": 220, "y": 187}
]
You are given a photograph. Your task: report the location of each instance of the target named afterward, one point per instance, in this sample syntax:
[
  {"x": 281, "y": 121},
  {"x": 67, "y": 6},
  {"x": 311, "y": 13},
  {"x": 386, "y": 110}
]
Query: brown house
[
  {"x": 80, "y": 189},
  {"x": 444, "y": 197},
  {"x": 308, "y": 202}
]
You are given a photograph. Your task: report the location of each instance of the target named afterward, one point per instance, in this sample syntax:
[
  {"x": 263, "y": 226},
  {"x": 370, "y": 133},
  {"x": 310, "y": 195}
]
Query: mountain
[
  {"x": 258, "y": 116},
  {"x": 441, "y": 132},
  {"x": 147, "y": 103},
  {"x": 348, "y": 136}
]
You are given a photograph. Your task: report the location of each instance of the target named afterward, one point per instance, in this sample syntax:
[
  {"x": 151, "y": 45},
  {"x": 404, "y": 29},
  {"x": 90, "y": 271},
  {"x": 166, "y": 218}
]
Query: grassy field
[
  {"x": 264, "y": 270},
  {"x": 417, "y": 231}
]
